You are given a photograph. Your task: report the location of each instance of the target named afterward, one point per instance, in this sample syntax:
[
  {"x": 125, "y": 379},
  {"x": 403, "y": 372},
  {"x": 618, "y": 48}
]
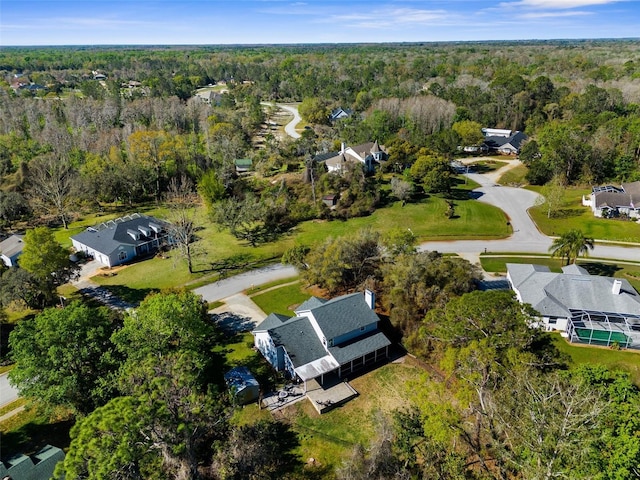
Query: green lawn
[
  {"x": 629, "y": 271},
  {"x": 281, "y": 300},
  {"x": 515, "y": 176},
  {"x": 223, "y": 254},
  {"x": 330, "y": 437},
  {"x": 427, "y": 220},
  {"x": 573, "y": 215},
  {"x": 626, "y": 360}
]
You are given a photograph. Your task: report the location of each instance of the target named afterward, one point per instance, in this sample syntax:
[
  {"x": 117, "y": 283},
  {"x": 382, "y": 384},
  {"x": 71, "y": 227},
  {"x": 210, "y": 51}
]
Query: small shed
[
  {"x": 243, "y": 165},
  {"x": 242, "y": 384},
  {"x": 331, "y": 200}
]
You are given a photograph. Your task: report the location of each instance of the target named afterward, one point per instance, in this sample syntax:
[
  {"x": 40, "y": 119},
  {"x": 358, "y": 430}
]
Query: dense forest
[
  {"x": 111, "y": 141},
  {"x": 87, "y": 128}
]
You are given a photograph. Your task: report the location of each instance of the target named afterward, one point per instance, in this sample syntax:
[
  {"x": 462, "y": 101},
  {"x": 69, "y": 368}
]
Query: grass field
[
  {"x": 573, "y": 215},
  {"x": 224, "y": 254},
  {"x": 330, "y": 437},
  {"x": 626, "y": 360},
  {"x": 281, "y": 300},
  {"x": 514, "y": 177}
]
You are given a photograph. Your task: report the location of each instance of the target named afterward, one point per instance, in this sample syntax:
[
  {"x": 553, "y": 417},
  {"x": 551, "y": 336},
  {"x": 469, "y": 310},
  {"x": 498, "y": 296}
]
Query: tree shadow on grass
[
  {"x": 130, "y": 295},
  {"x": 35, "y": 435},
  {"x": 567, "y": 213},
  {"x": 602, "y": 269}
]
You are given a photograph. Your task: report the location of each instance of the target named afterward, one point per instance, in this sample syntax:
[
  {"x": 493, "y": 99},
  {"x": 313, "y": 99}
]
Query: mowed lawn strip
[
  {"x": 629, "y": 271},
  {"x": 281, "y": 300}
]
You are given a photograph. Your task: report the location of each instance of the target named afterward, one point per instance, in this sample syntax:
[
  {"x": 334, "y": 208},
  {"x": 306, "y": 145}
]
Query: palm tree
[{"x": 571, "y": 245}]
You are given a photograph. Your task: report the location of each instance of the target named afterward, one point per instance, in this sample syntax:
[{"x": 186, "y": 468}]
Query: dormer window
[{"x": 135, "y": 234}]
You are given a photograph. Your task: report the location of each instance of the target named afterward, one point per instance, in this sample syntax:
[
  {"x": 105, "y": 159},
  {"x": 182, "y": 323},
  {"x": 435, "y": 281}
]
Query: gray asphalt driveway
[
  {"x": 8, "y": 393},
  {"x": 230, "y": 286},
  {"x": 238, "y": 314}
]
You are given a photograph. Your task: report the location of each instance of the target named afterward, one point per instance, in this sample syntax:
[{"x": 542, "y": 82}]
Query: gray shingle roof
[
  {"x": 313, "y": 302},
  {"x": 273, "y": 320},
  {"x": 12, "y": 246},
  {"x": 359, "y": 347},
  {"x": 343, "y": 315},
  {"x": 554, "y": 294},
  {"x": 300, "y": 341},
  {"x": 107, "y": 237}
]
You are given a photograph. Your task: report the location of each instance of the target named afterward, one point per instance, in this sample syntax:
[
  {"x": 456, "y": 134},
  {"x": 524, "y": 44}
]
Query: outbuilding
[{"x": 242, "y": 384}]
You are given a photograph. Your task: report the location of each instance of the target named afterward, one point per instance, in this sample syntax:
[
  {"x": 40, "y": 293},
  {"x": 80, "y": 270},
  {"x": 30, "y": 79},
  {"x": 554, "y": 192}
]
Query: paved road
[
  {"x": 8, "y": 393},
  {"x": 230, "y": 286}
]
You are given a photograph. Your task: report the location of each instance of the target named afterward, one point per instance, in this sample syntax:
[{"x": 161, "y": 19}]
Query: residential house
[
  {"x": 368, "y": 154},
  {"x": 326, "y": 337},
  {"x": 339, "y": 113},
  {"x": 11, "y": 249},
  {"x": 585, "y": 308},
  {"x": 505, "y": 142},
  {"x": 242, "y": 384},
  {"x": 209, "y": 97},
  {"x": 608, "y": 201},
  {"x": 39, "y": 466},
  {"x": 123, "y": 239}
]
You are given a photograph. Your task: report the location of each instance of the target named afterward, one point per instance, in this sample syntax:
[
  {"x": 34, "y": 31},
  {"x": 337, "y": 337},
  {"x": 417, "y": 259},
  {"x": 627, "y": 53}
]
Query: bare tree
[
  {"x": 53, "y": 186},
  {"x": 182, "y": 202}
]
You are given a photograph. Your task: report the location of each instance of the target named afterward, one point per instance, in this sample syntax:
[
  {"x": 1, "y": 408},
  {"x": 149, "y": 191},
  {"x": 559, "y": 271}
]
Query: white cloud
[
  {"x": 393, "y": 17},
  {"x": 557, "y": 4},
  {"x": 535, "y": 15}
]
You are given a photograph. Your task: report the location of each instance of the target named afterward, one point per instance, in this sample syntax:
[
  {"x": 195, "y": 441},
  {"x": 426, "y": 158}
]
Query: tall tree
[
  {"x": 47, "y": 261},
  {"x": 434, "y": 173},
  {"x": 571, "y": 245},
  {"x": 53, "y": 186},
  {"x": 65, "y": 357},
  {"x": 182, "y": 203}
]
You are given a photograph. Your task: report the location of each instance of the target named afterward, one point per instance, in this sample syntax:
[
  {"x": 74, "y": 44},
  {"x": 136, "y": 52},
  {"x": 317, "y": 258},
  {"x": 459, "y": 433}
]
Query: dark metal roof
[{"x": 107, "y": 237}]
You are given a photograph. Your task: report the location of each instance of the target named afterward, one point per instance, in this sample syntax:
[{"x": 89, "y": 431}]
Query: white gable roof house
[
  {"x": 367, "y": 154},
  {"x": 11, "y": 249},
  {"x": 326, "y": 337},
  {"x": 123, "y": 239},
  {"x": 585, "y": 308}
]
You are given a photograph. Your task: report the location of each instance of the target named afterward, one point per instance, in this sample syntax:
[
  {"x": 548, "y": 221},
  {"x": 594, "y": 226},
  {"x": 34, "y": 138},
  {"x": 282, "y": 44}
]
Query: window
[{"x": 122, "y": 256}]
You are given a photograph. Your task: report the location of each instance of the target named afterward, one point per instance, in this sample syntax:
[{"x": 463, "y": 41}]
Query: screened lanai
[{"x": 604, "y": 328}]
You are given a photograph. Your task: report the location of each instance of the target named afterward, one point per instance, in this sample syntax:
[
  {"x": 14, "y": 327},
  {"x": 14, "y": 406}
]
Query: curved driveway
[
  {"x": 290, "y": 128},
  {"x": 526, "y": 237}
]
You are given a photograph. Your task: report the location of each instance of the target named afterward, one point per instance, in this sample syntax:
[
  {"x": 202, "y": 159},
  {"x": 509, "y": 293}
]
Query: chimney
[
  {"x": 370, "y": 298},
  {"x": 617, "y": 286},
  {"x": 342, "y": 147}
]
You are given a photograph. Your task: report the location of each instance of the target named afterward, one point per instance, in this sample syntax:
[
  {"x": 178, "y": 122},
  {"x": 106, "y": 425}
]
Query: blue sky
[{"x": 91, "y": 22}]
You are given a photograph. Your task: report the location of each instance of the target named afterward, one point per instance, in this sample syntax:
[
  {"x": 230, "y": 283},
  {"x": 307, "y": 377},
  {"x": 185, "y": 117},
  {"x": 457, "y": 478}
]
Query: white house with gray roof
[
  {"x": 585, "y": 308},
  {"x": 123, "y": 239},
  {"x": 11, "y": 249},
  {"x": 611, "y": 201},
  {"x": 337, "y": 336},
  {"x": 368, "y": 154}
]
